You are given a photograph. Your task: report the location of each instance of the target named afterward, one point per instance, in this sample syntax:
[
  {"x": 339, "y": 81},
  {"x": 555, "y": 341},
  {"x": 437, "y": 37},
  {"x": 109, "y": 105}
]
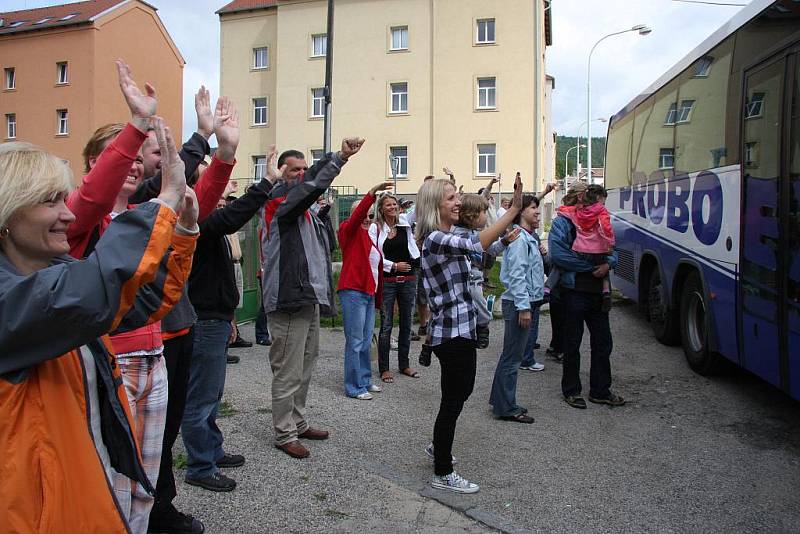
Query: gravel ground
[{"x": 687, "y": 453}]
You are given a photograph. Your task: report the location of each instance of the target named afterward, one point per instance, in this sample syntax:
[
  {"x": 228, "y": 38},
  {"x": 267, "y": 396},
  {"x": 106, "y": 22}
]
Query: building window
[
  {"x": 259, "y": 167},
  {"x": 485, "y": 31},
  {"x": 259, "y": 111},
  {"x": 672, "y": 113},
  {"x": 318, "y": 102},
  {"x": 316, "y": 155},
  {"x": 319, "y": 45},
  {"x": 754, "y": 105},
  {"x": 487, "y": 93},
  {"x": 685, "y": 111},
  {"x": 46, "y": 19},
  {"x": 399, "y": 97},
  {"x": 62, "y": 73},
  {"x": 399, "y": 160},
  {"x": 666, "y": 158},
  {"x": 751, "y": 154},
  {"x": 67, "y": 17},
  {"x": 11, "y": 126},
  {"x": 63, "y": 126},
  {"x": 11, "y": 78},
  {"x": 400, "y": 38},
  {"x": 261, "y": 58},
  {"x": 703, "y": 66},
  {"x": 487, "y": 159},
  {"x": 17, "y": 24}
]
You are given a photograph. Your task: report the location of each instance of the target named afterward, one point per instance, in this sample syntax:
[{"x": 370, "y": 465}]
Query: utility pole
[{"x": 326, "y": 143}]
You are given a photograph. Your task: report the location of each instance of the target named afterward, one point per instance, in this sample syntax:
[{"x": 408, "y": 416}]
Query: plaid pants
[{"x": 145, "y": 379}]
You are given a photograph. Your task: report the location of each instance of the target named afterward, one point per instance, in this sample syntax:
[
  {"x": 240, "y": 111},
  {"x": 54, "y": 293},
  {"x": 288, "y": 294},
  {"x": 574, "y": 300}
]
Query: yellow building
[
  {"x": 59, "y": 77},
  {"x": 457, "y": 83}
]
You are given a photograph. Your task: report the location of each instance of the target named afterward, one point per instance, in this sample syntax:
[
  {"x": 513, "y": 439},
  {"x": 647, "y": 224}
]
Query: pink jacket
[{"x": 593, "y": 231}]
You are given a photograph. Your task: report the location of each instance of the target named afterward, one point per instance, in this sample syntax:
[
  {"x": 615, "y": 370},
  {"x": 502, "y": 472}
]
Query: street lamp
[
  {"x": 578, "y": 153},
  {"x": 643, "y": 30},
  {"x": 566, "y": 160}
]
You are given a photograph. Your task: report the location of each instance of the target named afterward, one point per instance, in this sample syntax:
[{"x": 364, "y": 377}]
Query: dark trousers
[
  {"x": 557, "y": 320},
  {"x": 178, "y": 357},
  {"x": 586, "y": 308},
  {"x": 457, "y": 358},
  {"x": 262, "y": 331},
  {"x": 404, "y": 293}
]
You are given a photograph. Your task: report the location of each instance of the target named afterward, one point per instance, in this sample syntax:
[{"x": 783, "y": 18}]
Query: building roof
[
  {"x": 245, "y": 5},
  {"x": 57, "y": 16}
]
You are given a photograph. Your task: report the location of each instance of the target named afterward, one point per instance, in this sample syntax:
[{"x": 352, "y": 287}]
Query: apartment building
[
  {"x": 59, "y": 78},
  {"x": 433, "y": 83}
]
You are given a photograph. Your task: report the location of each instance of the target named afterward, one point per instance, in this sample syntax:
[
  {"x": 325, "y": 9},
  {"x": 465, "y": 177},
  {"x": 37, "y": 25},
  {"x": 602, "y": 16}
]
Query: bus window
[
  {"x": 618, "y": 154},
  {"x": 653, "y": 154},
  {"x": 700, "y": 116}
]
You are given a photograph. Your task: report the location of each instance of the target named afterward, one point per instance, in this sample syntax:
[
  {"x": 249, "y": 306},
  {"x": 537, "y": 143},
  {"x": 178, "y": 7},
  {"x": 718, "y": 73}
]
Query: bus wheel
[
  {"x": 694, "y": 327},
  {"x": 663, "y": 321}
]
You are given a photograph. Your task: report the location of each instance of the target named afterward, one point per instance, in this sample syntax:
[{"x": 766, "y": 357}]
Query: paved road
[{"x": 687, "y": 454}]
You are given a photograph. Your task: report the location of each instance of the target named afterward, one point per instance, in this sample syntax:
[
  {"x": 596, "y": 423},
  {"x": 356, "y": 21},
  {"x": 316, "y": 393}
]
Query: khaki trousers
[{"x": 295, "y": 345}]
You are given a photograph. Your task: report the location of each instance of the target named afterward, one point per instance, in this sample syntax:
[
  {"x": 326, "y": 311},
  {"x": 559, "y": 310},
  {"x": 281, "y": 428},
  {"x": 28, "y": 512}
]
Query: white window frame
[
  {"x": 484, "y": 39},
  {"x": 483, "y": 160},
  {"x": 672, "y": 114},
  {"x": 703, "y": 67},
  {"x": 11, "y": 125},
  {"x": 259, "y": 166},
  {"x": 256, "y": 110},
  {"x": 62, "y": 67},
  {"x": 754, "y": 107},
  {"x": 750, "y": 156},
  {"x": 685, "y": 111},
  {"x": 256, "y": 52},
  {"x": 666, "y": 153},
  {"x": 320, "y": 51},
  {"x": 62, "y": 127},
  {"x": 402, "y": 164},
  {"x": 402, "y": 32},
  {"x": 396, "y": 90},
  {"x": 317, "y": 102},
  {"x": 10, "y": 78},
  {"x": 486, "y": 93},
  {"x": 42, "y": 21},
  {"x": 314, "y": 152}
]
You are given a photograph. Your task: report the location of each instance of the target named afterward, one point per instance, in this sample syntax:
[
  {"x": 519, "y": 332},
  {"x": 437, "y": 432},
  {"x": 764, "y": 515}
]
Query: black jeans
[
  {"x": 178, "y": 357},
  {"x": 457, "y": 358},
  {"x": 557, "y": 320},
  {"x": 582, "y": 308},
  {"x": 404, "y": 293},
  {"x": 262, "y": 332}
]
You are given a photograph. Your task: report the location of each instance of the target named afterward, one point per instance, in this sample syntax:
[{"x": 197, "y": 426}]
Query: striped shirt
[{"x": 446, "y": 270}]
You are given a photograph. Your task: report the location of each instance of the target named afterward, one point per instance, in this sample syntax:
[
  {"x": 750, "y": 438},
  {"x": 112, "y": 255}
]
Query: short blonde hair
[
  {"x": 429, "y": 197},
  {"x": 29, "y": 175},
  {"x": 471, "y": 207}
]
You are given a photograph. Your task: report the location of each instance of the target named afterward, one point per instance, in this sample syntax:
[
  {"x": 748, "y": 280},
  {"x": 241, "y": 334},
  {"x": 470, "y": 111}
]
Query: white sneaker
[
  {"x": 454, "y": 482},
  {"x": 375, "y": 389},
  {"x": 535, "y": 367},
  {"x": 364, "y": 396},
  {"x": 429, "y": 452}
]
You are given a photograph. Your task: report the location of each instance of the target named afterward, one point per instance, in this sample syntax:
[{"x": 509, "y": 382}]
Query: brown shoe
[
  {"x": 294, "y": 449},
  {"x": 314, "y": 433}
]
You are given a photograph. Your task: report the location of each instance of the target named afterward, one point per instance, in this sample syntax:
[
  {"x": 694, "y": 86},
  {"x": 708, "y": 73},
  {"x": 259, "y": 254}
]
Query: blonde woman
[{"x": 445, "y": 269}]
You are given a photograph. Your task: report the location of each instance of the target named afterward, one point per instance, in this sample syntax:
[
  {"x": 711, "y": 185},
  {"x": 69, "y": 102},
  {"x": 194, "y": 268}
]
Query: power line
[{"x": 709, "y": 3}]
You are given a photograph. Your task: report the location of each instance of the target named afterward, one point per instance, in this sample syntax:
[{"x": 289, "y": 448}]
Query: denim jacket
[
  {"x": 522, "y": 272},
  {"x": 562, "y": 234}
]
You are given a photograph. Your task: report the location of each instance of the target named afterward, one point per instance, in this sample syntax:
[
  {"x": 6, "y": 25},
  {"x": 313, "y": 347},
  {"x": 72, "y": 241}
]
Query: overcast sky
[{"x": 622, "y": 66}]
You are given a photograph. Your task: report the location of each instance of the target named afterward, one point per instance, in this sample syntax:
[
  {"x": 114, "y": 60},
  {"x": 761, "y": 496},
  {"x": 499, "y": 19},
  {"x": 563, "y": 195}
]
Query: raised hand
[
  {"x": 227, "y": 130},
  {"x": 142, "y": 105},
  {"x": 189, "y": 211},
  {"x": 447, "y": 171},
  {"x": 205, "y": 118},
  {"x": 273, "y": 173},
  {"x": 511, "y": 236},
  {"x": 516, "y": 200},
  {"x": 350, "y": 146},
  {"x": 173, "y": 179},
  {"x": 382, "y": 186}
]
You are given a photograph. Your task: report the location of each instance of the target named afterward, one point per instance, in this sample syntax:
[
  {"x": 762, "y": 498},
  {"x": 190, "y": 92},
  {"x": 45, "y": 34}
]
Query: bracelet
[{"x": 181, "y": 229}]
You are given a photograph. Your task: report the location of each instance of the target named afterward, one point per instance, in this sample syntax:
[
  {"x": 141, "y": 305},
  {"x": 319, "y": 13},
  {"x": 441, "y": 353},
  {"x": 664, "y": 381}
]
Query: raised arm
[
  {"x": 211, "y": 185},
  {"x": 350, "y": 226},
  {"x": 487, "y": 191},
  {"x": 490, "y": 234}
]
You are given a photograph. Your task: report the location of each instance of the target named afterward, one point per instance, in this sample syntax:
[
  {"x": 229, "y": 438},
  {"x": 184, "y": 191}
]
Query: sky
[{"x": 622, "y": 66}]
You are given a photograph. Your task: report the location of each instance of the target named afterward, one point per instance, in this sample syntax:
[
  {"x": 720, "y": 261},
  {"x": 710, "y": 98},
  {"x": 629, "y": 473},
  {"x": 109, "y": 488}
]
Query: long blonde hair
[
  {"x": 379, "y": 220},
  {"x": 429, "y": 197}
]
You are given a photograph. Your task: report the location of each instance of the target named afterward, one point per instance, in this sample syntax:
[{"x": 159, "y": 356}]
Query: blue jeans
[
  {"x": 504, "y": 387},
  {"x": 201, "y": 436},
  {"x": 358, "y": 316},
  {"x": 404, "y": 293},
  {"x": 528, "y": 358}
]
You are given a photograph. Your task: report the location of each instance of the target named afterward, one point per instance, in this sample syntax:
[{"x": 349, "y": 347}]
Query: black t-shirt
[{"x": 396, "y": 248}]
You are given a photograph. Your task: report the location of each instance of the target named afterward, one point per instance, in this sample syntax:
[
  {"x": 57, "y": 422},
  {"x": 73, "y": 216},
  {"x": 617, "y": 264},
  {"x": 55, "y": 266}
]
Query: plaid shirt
[{"x": 446, "y": 270}]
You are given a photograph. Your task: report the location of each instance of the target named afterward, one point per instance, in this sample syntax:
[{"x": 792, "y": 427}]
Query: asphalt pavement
[{"x": 686, "y": 454}]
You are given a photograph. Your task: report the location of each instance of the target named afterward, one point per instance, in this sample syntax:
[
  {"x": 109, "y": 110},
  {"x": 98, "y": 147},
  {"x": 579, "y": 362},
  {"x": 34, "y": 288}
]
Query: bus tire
[
  {"x": 694, "y": 322},
  {"x": 663, "y": 320}
]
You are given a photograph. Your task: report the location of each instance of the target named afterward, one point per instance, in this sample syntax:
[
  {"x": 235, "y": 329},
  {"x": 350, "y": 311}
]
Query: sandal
[
  {"x": 519, "y": 418},
  {"x": 387, "y": 377},
  {"x": 408, "y": 371}
]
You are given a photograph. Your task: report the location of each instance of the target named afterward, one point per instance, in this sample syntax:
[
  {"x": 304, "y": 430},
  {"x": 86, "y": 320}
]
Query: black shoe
[
  {"x": 611, "y": 400},
  {"x": 415, "y": 337},
  {"x": 171, "y": 521},
  {"x": 537, "y": 346},
  {"x": 425, "y": 355},
  {"x": 240, "y": 343},
  {"x": 230, "y": 460},
  {"x": 232, "y": 359},
  {"x": 519, "y": 418},
  {"x": 265, "y": 342},
  {"x": 422, "y": 331},
  {"x": 215, "y": 482},
  {"x": 576, "y": 402},
  {"x": 483, "y": 336}
]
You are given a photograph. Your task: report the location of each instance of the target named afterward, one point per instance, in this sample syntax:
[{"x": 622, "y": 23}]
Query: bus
[{"x": 703, "y": 172}]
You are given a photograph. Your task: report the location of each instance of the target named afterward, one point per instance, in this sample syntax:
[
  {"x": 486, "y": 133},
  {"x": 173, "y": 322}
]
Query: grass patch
[
  {"x": 179, "y": 461},
  {"x": 226, "y": 409},
  {"x": 264, "y": 410}
]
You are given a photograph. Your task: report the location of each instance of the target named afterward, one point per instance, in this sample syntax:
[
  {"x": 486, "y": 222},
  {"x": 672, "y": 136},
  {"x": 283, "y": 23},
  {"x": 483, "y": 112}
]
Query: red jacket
[{"x": 355, "y": 244}]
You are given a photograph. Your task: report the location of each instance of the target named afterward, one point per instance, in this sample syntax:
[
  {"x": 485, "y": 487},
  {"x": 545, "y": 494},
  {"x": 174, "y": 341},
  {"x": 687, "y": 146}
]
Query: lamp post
[
  {"x": 643, "y": 30},
  {"x": 566, "y": 160},
  {"x": 578, "y": 153}
]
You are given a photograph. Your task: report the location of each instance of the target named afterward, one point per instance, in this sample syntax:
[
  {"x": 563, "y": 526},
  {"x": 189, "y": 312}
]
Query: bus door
[{"x": 769, "y": 283}]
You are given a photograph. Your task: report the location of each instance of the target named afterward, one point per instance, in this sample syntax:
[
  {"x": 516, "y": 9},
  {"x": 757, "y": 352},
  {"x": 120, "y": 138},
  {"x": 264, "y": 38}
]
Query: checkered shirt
[{"x": 446, "y": 269}]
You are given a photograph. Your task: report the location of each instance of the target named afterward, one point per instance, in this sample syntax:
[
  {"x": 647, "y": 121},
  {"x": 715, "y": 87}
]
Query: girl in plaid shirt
[{"x": 446, "y": 270}]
